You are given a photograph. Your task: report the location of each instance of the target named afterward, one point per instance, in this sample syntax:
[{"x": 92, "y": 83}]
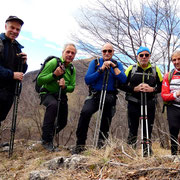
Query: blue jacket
[
  {"x": 6, "y": 73},
  {"x": 95, "y": 79}
]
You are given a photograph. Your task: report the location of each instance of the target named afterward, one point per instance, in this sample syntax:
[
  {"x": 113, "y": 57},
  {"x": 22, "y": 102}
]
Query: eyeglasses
[
  {"x": 105, "y": 50},
  {"x": 142, "y": 55}
]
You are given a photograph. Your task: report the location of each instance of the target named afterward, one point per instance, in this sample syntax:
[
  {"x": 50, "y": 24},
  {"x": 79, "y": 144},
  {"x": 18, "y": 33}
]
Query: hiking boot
[
  {"x": 48, "y": 146},
  {"x": 100, "y": 144},
  {"x": 132, "y": 141},
  {"x": 145, "y": 151},
  {"x": 133, "y": 146},
  {"x": 4, "y": 144},
  {"x": 78, "y": 149}
]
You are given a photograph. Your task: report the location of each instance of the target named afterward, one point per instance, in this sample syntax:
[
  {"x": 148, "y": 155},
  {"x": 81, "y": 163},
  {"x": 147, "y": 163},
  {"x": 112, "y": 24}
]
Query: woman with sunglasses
[{"x": 144, "y": 80}]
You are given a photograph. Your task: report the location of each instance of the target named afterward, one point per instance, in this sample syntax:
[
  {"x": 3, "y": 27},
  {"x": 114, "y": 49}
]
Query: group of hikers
[{"x": 141, "y": 82}]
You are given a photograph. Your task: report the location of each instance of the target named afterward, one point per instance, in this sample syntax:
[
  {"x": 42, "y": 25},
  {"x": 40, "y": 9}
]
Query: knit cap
[{"x": 141, "y": 49}]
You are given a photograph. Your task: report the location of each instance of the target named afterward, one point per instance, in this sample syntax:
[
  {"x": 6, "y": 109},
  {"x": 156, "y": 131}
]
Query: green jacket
[{"x": 47, "y": 81}]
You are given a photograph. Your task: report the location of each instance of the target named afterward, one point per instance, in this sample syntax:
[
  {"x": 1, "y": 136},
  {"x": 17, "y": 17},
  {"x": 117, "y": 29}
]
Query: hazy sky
[{"x": 47, "y": 25}]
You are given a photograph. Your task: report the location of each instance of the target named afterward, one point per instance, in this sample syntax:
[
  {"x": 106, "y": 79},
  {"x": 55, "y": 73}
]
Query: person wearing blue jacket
[
  {"x": 94, "y": 78},
  {"x": 10, "y": 58}
]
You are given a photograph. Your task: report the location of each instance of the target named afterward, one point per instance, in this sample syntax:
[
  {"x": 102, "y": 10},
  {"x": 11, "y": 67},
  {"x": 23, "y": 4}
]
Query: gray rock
[
  {"x": 40, "y": 175},
  {"x": 177, "y": 159},
  {"x": 54, "y": 164},
  {"x": 73, "y": 161}
]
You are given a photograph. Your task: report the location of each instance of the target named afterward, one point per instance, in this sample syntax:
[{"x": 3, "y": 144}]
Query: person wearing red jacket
[{"x": 171, "y": 94}]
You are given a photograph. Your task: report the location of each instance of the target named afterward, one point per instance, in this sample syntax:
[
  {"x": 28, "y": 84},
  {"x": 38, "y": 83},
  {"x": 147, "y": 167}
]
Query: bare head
[
  {"x": 175, "y": 58},
  {"x": 69, "y": 52},
  {"x": 107, "y": 51}
]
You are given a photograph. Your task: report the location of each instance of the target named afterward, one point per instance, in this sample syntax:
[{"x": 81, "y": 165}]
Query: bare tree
[{"x": 128, "y": 25}]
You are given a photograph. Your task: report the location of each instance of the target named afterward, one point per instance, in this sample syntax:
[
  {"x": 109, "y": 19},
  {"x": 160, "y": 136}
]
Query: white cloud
[
  {"x": 25, "y": 38},
  {"x": 48, "y": 25},
  {"x": 49, "y": 19},
  {"x": 53, "y": 47}
]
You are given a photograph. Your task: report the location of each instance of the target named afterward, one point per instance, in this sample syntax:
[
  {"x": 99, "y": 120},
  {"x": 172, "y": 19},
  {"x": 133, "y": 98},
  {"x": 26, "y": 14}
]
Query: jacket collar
[
  {"x": 149, "y": 66},
  {"x": 3, "y": 37}
]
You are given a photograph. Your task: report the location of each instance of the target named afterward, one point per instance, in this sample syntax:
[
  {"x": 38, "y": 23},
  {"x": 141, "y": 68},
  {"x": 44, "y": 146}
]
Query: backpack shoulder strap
[
  {"x": 170, "y": 75},
  {"x": 114, "y": 61},
  {"x": 134, "y": 69},
  {"x": 97, "y": 63},
  {"x": 71, "y": 68},
  {"x": 153, "y": 66}
]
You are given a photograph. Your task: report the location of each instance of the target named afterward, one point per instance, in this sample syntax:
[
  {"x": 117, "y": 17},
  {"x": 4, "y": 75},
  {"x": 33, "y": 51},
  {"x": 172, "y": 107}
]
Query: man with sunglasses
[
  {"x": 54, "y": 77},
  {"x": 94, "y": 78},
  {"x": 146, "y": 79}
]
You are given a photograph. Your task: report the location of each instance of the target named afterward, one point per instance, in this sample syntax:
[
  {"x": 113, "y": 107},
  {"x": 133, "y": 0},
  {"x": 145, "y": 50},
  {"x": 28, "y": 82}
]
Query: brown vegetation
[{"x": 115, "y": 161}]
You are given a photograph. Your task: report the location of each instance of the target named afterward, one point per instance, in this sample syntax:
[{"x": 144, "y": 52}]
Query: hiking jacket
[
  {"x": 169, "y": 89},
  {"x": 95, "y": 79},
  {"x": 47, "y": 81},
  {"x": 9, "y": 61},
  {"x": 142, "y": 75}
]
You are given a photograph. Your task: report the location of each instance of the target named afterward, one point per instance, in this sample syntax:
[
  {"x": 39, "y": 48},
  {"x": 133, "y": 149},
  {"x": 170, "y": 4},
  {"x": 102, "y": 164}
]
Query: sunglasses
[
  {"x": 142, "y": 55},
  {"x": 109, "y": 51}
]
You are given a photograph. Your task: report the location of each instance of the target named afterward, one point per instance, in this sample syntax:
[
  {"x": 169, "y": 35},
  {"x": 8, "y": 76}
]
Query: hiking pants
[
  {"x": 173, "y": 115},
  {"x": 90, "y": 107},
  {"x": 6, "y": 101},
  {"x": 51, "y": 103},
  {"x": 134, "y": 114}
]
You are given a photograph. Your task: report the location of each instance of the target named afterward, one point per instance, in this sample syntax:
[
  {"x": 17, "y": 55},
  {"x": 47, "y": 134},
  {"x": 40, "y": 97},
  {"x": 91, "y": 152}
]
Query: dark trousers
[
  {"x": 134, "y": 114},
  {"x": 51, "y": 103},
  {"x": 6, "y": 101},
  {"x": 173, "y": 115},
  {"x": 90, "y": 107}
]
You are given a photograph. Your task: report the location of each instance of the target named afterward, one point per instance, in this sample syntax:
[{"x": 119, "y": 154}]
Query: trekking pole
[
  {"x": 101, "y": 107},
  {"x": 146, "y": 120},
  {"x": 56, "y": 135},
  {"x": 15, "y": 108},
  {"x": 142, "y": 119}
]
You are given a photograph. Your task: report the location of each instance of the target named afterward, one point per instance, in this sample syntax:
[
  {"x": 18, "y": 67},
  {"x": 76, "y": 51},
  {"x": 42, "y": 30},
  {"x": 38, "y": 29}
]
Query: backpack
[
  {"x": 135, "y": 67},
  {"x": 128, "y": 96},
  {"x": 37, "y": 87}
]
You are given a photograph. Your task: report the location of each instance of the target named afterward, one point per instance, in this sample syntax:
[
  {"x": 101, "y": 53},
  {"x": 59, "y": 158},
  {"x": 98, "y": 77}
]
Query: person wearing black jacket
[
  {"x": 144, "y": 79},
  {"x": 10, "y": 58}
]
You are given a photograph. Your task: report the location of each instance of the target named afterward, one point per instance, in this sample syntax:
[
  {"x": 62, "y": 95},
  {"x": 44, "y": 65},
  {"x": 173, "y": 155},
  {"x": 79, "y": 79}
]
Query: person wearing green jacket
[{"x": 53, "y": 77}]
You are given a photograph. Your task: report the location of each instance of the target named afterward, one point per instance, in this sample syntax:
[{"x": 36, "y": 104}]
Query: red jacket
[{"x": 168, "y": 91}]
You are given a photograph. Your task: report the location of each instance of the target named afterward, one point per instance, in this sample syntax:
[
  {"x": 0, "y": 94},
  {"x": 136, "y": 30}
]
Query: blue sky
[{"x": 48, "y": 25}]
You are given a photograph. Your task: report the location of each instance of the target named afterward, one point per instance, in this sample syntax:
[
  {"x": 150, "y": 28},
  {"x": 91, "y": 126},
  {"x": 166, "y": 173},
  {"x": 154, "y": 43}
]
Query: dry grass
[{"x": 115, "y": 161}]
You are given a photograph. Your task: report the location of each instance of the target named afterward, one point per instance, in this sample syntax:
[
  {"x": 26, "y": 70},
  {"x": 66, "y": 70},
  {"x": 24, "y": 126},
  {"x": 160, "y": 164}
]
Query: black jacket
[
  {"x": 9, "y": 62},
  {"x": 140, "y": 76}
]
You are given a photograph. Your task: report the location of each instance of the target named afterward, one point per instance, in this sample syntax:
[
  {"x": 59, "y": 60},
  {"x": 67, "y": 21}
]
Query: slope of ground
[{"x": 115, "y": 161}]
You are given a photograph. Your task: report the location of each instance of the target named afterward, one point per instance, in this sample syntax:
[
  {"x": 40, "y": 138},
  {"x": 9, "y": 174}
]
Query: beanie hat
[{"x": 141, "y": 49}]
